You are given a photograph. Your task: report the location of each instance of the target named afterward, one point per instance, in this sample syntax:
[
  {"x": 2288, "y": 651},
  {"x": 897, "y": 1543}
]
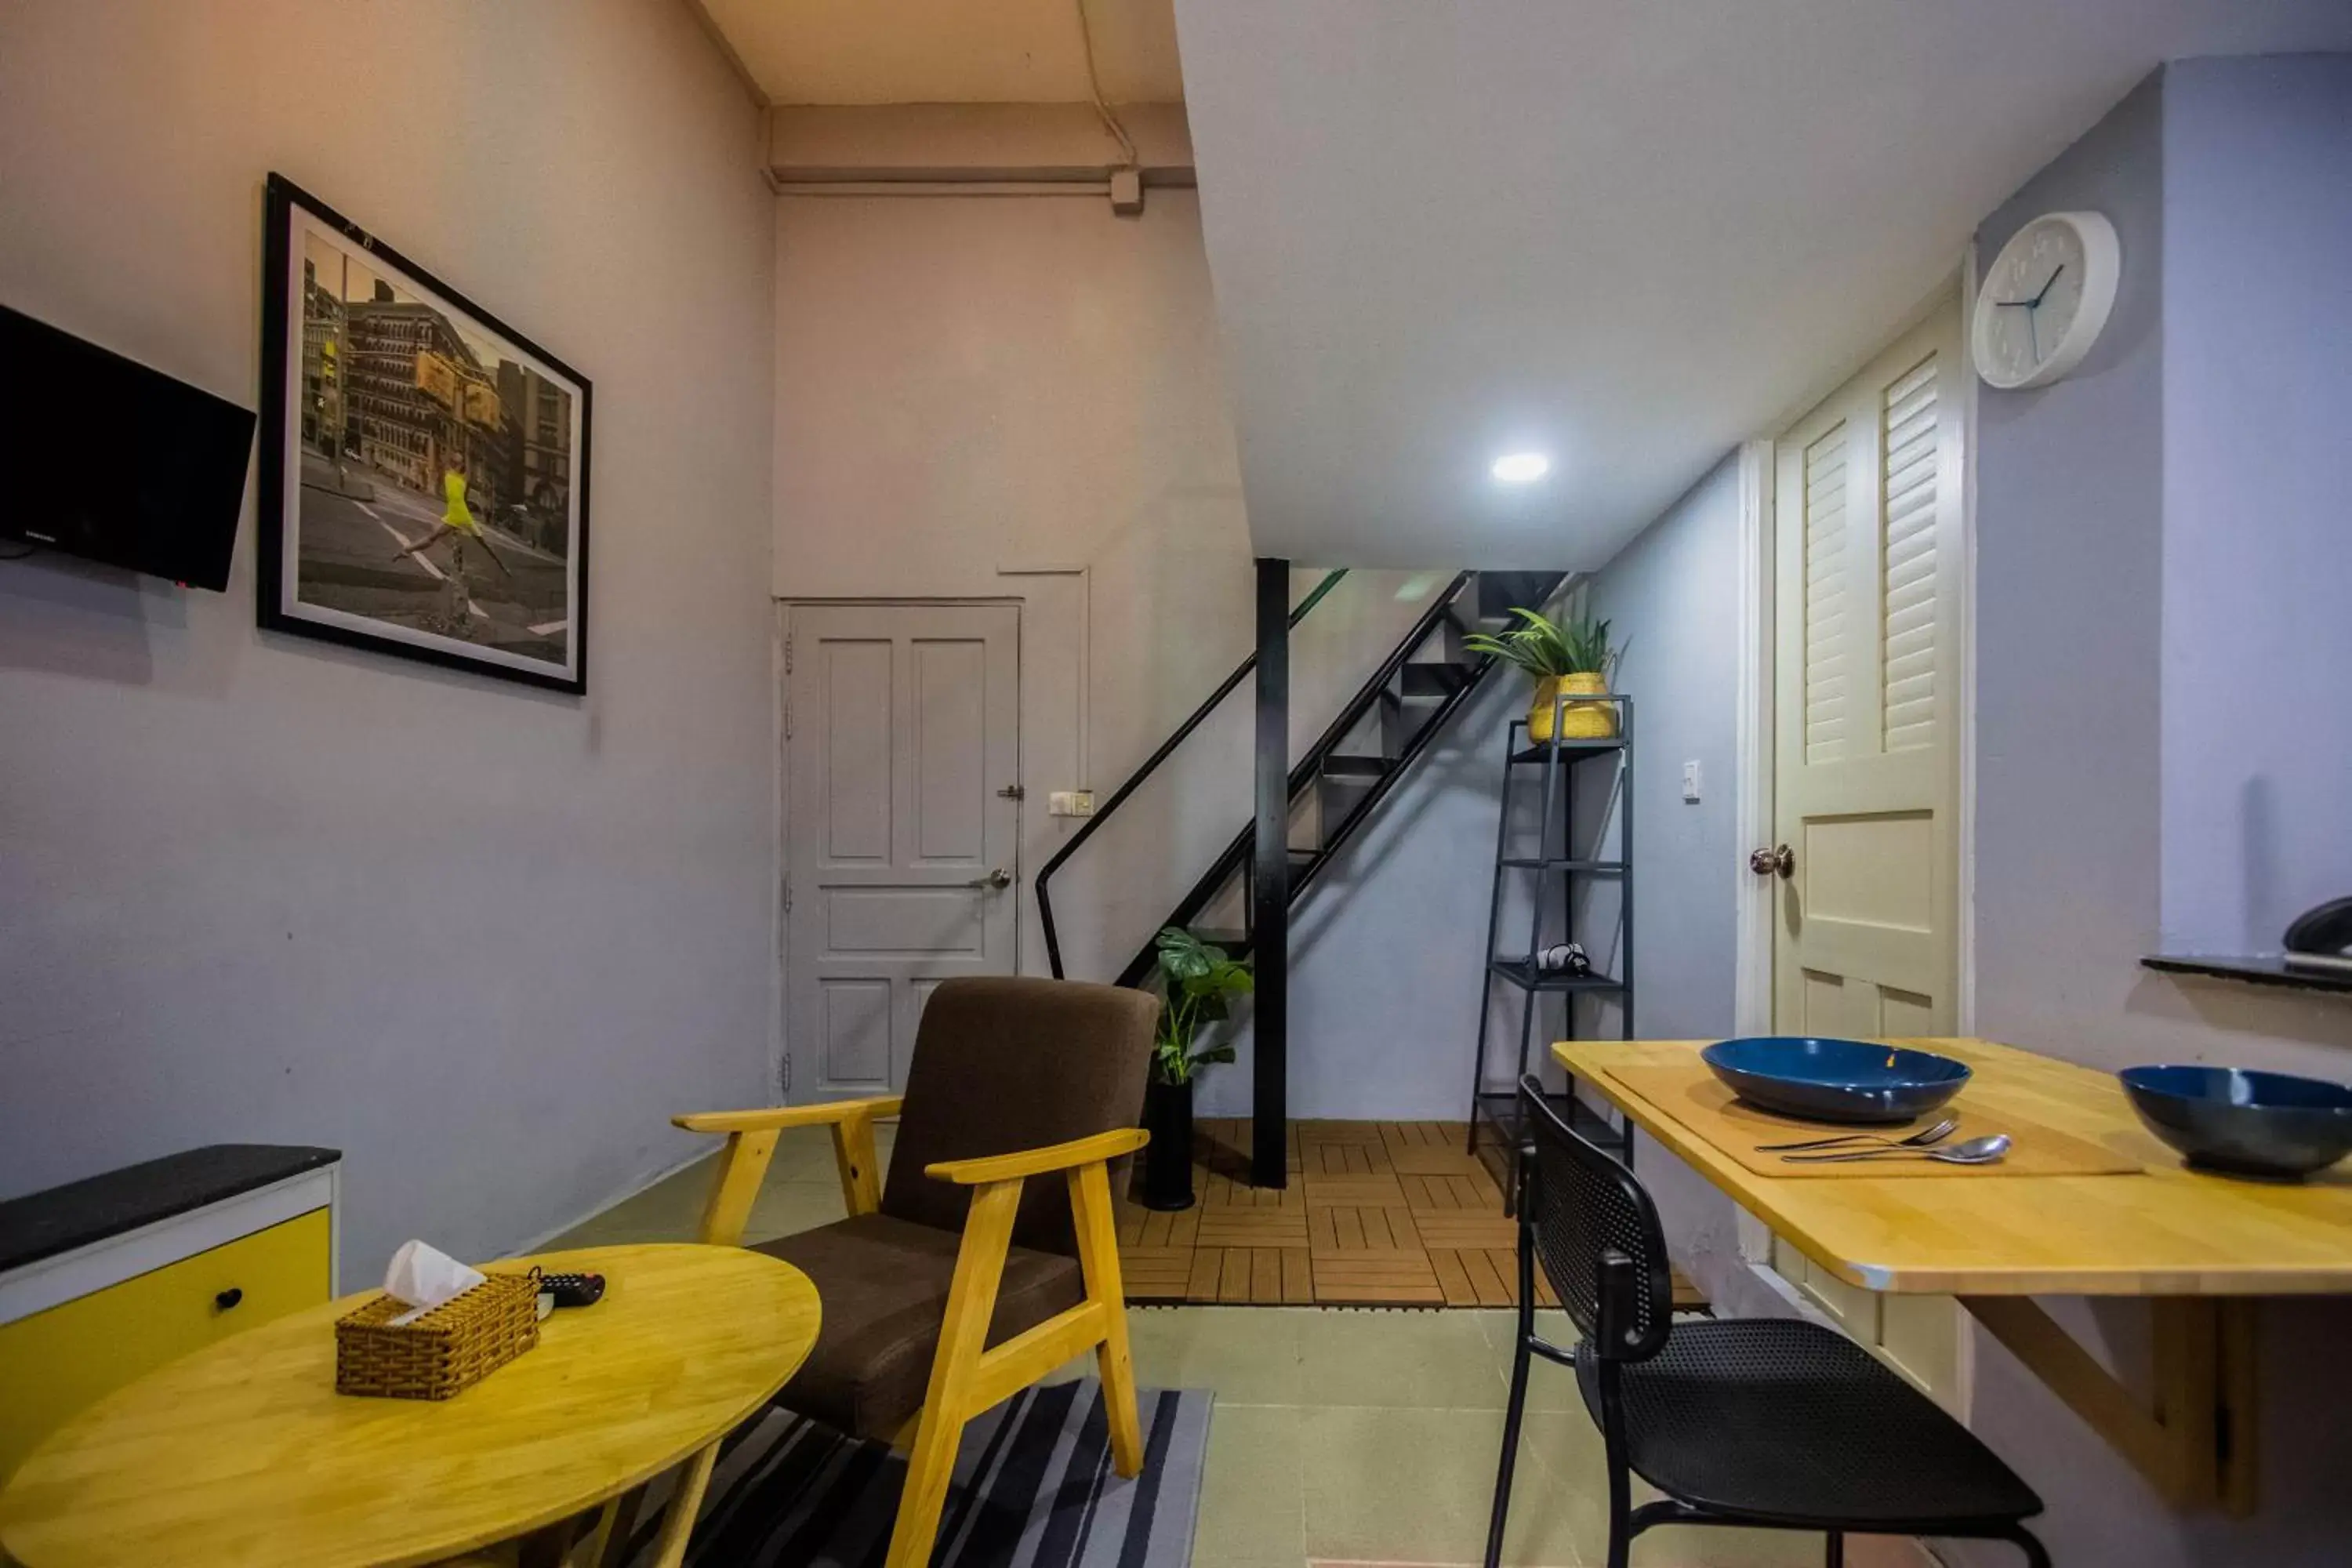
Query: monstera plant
[{"x": 1199, "y": 981}]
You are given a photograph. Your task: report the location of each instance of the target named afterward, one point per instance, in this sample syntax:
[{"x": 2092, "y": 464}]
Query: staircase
[{"x": 1335, "y": 788}]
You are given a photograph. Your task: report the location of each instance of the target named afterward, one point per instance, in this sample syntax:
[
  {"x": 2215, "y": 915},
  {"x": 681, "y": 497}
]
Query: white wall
[
  {"x": 1024, "y": 398},
  {"x": 481, "y": 939}
]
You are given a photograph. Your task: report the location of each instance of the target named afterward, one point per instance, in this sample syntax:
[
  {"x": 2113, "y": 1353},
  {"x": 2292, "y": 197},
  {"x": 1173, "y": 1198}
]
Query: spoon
[
  {"x": 1919, "y": 1140},
  {"x": 1983, "y": 1150}
]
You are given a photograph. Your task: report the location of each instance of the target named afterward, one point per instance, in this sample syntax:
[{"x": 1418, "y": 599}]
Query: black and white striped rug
[{"x": 1033, "y": 1488}]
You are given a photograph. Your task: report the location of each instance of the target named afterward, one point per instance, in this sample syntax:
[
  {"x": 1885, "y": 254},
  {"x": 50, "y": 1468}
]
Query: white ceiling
[
  {"x": 1628, "y": 233},
  {"x": 950, "y": 51}
]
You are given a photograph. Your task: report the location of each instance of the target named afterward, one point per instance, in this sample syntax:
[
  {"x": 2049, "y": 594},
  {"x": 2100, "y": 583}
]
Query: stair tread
[
  {"x": 1431, "y": 678},
  {"x": 1356, "y": 765}
]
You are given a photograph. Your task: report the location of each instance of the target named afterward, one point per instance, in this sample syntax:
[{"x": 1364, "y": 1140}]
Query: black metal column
[{"x": 1270, "y": 885}]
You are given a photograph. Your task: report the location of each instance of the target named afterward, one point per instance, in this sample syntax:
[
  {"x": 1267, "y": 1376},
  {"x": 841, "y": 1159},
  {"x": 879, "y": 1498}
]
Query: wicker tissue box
[{"x": 450, "y": 1348}]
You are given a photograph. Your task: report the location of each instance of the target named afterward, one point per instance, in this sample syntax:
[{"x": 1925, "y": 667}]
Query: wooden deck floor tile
[
  {"x": 1381, "y": 1192},
  {"x": 1466, "y": 1227},
  {"x": 1376, "y": 1214},
  {"x": 1253, "y": 1228}
]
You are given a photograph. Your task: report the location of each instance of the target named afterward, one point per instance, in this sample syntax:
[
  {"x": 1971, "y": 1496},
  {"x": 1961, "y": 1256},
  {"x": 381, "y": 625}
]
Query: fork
[{"x": 1919, "y": 1140}]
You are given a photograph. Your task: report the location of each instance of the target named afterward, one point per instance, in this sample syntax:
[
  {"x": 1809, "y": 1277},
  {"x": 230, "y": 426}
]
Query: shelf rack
[{"x": 1495, "y": 1132}]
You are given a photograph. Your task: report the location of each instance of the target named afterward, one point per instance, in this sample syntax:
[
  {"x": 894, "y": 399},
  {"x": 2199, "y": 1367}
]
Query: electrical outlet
[
  {"x": 1690, "y": 781},
  {"x": 1070, "y": 803}
]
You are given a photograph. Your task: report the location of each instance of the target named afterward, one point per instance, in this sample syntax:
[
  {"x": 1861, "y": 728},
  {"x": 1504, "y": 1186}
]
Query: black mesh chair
[{"x": 1763, "y": 1422}]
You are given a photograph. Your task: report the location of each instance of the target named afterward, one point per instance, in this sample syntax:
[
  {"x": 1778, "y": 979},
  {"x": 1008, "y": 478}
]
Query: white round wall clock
[{"x": 2045, "y": 299}]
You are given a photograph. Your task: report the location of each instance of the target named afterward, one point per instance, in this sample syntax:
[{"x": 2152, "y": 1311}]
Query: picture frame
[{"x": 424, "y": 466}]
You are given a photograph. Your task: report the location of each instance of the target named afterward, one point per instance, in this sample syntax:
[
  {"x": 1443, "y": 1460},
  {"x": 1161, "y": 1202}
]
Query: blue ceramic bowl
[
  {"x": 2249, "y": 1124},
  {"x": 1835, "y": 1080}
]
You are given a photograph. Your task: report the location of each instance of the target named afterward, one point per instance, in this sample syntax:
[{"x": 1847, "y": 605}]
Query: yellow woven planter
[{"x": 1579, "y": 721}]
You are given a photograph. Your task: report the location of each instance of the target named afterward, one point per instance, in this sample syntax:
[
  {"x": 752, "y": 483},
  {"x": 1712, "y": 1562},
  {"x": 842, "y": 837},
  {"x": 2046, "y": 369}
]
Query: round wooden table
[{"x": 243, "y": 1454}]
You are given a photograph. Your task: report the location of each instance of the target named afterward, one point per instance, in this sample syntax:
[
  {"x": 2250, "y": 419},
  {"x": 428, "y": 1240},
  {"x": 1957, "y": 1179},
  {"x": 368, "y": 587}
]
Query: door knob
[
  {"x": 1780, "y": 862},
  {"x": 996, "y": 881}
]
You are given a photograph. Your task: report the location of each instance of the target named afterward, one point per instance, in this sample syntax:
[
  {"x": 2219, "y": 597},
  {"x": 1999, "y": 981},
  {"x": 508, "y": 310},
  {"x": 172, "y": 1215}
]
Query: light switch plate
[
  {"x": 1070, "y": 803},
  {"x": 1690, "y": 781}
]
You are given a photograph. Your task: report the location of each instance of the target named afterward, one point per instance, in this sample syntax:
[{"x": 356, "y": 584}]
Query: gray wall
[
  {"x": 483, "y": 940},
  {"x": 2257, "y": 573},
  {"x": 1387, "y": 951},
  {"x": 1671, "y": 598},
  {"x": 2100, "y": 585}
]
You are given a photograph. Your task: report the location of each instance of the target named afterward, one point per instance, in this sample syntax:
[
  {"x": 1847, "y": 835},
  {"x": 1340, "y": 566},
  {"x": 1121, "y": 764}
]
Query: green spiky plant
[
  {"x": 1544, "y": 647},
  {"x": 1198, "y": 981}
]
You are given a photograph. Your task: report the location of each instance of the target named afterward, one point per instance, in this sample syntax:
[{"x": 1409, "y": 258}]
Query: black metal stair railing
[
  {"x": 1167, "y": 748},
  {"x": 1365, "y": 778}
]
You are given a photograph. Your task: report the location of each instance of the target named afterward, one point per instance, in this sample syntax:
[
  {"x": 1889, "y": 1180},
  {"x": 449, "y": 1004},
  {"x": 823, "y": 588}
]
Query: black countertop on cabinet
[{"x": 58, "y": 1219}]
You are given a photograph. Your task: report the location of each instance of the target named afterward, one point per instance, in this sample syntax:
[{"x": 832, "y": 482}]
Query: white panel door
[
  {"x": 901, "y": 818},
  {"x": 1870, "y": 542}
]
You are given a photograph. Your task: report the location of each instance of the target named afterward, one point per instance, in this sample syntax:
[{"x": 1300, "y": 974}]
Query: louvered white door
[
  {"x": 1869, "y": 542},
  {"x": 1869, "y": 545}
]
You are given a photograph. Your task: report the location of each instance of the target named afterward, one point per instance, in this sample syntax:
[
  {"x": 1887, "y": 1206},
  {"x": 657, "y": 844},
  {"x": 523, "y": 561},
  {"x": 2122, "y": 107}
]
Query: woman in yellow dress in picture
[{"x": 458, "y": 525}]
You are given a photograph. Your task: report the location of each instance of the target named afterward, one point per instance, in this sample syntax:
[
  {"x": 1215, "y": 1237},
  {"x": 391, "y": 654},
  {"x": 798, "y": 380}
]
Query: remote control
[{"x": 574, "y": 1290}]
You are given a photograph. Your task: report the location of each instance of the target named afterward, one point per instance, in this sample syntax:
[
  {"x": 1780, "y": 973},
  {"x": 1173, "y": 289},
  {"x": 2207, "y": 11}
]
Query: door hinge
[
  {"x": 784, "y": 1075},
  {"x": 788, "y": 653},
  {"x": 788, "y": 895},
  {"x": 1012, "y": 792}
]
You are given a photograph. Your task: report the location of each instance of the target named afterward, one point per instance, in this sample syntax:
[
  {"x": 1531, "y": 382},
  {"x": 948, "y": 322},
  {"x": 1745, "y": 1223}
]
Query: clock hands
[
  {"x": 2032, "y": 308},
  {"x": 2035, "y": 303}
]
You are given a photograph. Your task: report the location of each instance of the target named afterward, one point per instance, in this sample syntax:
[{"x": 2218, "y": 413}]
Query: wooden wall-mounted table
[{"x": 2199, "y": 1247}]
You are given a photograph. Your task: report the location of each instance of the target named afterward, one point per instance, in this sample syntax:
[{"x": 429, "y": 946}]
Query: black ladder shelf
[{"x": 1559, "y": 763}]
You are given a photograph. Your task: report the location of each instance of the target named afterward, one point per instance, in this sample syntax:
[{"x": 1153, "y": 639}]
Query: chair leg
[
  {"x": 1620, "y": 1509},
  {"x": 1833, "y": 1555},
  {"x": 2036, "y": 1555},
  {"x": 963, "y": 1337},
  {"x": 1097, "y": 1231},
  {"x": 1511, "y": 1419},
  {"x": 929, "y": 1468}
]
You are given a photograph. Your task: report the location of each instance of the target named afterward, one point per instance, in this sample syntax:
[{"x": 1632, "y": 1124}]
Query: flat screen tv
[{"x": 105, "y": 459}]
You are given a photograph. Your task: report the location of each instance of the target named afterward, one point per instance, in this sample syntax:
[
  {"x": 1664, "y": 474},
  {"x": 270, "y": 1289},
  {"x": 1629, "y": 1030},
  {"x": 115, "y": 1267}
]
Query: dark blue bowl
[
  {"x": 2249, "y": 1124},
  {"x": 1835, "y": 1080}
]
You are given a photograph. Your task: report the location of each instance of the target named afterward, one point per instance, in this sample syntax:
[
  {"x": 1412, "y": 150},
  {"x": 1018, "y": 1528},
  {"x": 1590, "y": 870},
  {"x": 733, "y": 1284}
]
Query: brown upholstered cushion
[
  {"x": 883, "y": 1283},
  {"x": 1002, "y": 1063}
]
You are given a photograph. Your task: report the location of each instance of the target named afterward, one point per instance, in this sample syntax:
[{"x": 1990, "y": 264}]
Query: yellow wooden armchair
[{"x": 1010, "y": 1080}]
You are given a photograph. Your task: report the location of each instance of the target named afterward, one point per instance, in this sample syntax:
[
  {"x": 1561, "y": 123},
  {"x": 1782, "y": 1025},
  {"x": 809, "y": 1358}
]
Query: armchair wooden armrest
[
  {"x": 751, "y": 1143},
  {"x": 1020, "y": 1162},
  {"x": 774, "y": 1118}
]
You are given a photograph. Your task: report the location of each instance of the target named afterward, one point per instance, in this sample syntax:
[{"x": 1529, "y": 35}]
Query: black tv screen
[{"x": 105, "y": 459}]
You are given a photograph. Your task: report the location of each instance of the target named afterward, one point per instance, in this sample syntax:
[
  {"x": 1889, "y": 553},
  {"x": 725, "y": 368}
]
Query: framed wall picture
[{"x": 424, "y": 466}]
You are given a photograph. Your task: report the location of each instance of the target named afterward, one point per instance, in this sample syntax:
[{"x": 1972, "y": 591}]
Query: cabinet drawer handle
[{"x": 228, "y": 1298}]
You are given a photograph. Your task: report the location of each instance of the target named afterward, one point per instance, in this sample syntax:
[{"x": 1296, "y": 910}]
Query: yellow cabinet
[{"x": 55, "y": 1361}]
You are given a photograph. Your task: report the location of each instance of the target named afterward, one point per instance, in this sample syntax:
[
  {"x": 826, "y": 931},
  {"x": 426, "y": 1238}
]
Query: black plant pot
[{"x": 1167, "y": 1158}]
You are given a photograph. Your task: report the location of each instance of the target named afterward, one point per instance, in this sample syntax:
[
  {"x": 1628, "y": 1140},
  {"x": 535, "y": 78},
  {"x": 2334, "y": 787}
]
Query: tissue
[{"x": 424, "y": 1277}]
